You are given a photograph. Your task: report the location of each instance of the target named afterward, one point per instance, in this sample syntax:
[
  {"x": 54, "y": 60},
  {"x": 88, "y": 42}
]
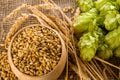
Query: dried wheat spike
[
  {"x": 15, "y": 12},
  {"x": 14, "y": 28},
  {"x": 45, "y": 6},
  {"x": 45, "y": 1},
  {"x": 43, "y": 16},
  {"x": 2, "y": 45}
]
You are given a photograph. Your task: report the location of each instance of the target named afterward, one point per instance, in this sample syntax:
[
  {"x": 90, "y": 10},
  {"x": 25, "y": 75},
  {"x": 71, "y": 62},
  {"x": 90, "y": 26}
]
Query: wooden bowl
[{"x": 54, "y": 74}]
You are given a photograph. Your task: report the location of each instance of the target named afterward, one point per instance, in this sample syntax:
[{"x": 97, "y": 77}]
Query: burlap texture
[{"x": 6, "y": 6}]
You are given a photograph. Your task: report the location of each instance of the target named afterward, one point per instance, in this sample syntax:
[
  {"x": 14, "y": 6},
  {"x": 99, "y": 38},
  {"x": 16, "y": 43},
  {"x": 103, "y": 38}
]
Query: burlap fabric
[{"x": 6, "y": 6}]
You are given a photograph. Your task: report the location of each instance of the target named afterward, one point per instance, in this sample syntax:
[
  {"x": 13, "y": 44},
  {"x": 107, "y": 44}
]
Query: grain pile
[
  {"x": 36, "y": 50},
  {"x": 5, "y": 70}
]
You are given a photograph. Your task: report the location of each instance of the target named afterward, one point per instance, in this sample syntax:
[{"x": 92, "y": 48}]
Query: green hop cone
[
  {"x": 118, "y": 2},
  {"x": 117, "y": 52},
  {"x": 118, "y": 18},
  {"x": 111, "y": 21},
  {"x": 112, "y": 39},
  {"x": 85, "y": 5},
  {"x": 100, "y": 3},
  {"x": 87, "y": 54},
  {"x": 108, "y": 6},
  {"x": 105, "y": 8},
  {"x": 88, "y": 44},
  {"x": 85, "y": 22},
  {"x": 104, "y": 52}
]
